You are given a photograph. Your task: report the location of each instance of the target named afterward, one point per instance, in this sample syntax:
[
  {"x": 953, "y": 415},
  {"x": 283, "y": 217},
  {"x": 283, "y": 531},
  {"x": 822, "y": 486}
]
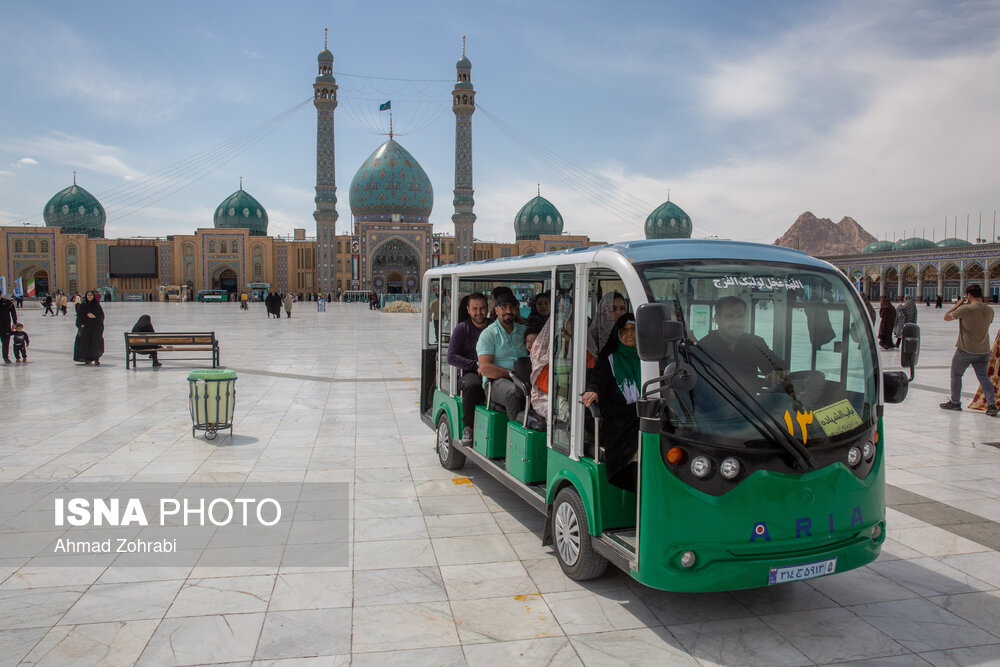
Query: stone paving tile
[{"x": 445, "y": 567}]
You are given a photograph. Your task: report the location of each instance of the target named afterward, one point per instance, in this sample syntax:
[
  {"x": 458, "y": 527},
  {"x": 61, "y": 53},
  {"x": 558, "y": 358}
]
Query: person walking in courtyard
[
  {"x": 21, "y": 343},
  {"x": 8, "y": 319},
  {"x": 906, "y": 313},
  {"x": 972, "y": 349},
  {"x": 243, "y": 301},
  {"x": 993, "y": 370},
  {"x": 937, "y": 301},
  {"x": 89, "y": 344},
  {"x": 288, "y": 304},
  {"x": 887, "y": 320},
  {"x": 63, "y": 303},
  {"x": 47, "y": 302}
]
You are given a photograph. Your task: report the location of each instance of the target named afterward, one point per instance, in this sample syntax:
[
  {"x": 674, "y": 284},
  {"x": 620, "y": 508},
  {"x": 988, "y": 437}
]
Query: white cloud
[
  {"x": 77, "y": 152},
  {"x": 26, "y": 161}
]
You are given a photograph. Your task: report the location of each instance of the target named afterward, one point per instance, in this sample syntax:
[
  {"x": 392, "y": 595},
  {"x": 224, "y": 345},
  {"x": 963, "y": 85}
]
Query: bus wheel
[
  {"x": 451, "y": 458},
  {"x": 572, "y": 540}
]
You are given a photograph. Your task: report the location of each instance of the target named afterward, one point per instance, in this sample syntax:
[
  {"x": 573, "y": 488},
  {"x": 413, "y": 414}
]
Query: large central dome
[
  {"x": 240, "y": 210},
  {"x": 75, "y": 211},
  {"x": 391, "y": 182}
]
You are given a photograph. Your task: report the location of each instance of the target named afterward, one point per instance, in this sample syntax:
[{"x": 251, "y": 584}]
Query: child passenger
[{"x": 529, "y": 338}]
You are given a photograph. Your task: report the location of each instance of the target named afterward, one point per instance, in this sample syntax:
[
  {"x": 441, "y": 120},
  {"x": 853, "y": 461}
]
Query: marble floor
[{"x": 445, "y": 568}]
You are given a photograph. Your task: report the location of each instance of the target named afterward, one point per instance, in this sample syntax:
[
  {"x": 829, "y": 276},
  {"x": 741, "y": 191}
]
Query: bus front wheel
[
  {"x": 574, "y": 547},
  {"x": 451, "y": 458}
]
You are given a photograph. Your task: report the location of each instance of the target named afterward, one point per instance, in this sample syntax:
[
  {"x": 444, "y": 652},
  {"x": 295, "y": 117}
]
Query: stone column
[
  {"x": 920, "y": 287},
  {"x": 881, "y": 285},
  {"x": 940, "y": 285},
  {"x": 961, "y": 281},
  {"x": 899, "y": 284}
]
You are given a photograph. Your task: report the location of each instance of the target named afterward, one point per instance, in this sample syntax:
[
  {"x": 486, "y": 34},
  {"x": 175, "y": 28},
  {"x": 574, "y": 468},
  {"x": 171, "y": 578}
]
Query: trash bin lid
[{"x": 212, "y": 374}]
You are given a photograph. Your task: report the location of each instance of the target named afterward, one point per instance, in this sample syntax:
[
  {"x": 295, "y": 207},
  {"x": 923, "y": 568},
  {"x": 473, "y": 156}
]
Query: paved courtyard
[{"x": 445, "y": 568}]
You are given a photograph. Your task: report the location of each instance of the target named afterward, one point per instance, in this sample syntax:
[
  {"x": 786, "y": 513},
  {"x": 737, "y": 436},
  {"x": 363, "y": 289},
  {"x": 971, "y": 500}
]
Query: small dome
[
  {"x": 668, "y": 221},
  {"x": 536, "y": 218},
  {"x": 463, "y": 63},
  {"x": 241, "y": 211},
  {"x": 76, "y": 211},
  {"x": 915, "y": 243},
  {"x": 391, "y": 182},
  {"x": 953, "y": 242},
  {"x": 325, "y": 56},
  {"x": 879, "y": 246}
]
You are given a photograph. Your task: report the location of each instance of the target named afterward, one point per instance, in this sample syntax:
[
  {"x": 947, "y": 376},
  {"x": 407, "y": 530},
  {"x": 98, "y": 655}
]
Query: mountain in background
[{"x": 822, "y": 236}]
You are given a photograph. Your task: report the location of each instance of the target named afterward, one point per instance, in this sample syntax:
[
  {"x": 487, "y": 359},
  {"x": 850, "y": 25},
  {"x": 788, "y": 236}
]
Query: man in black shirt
[
  {"x": 744, "y": 355},
  {"x": 462, "y": 355},
  {"x": 8, "y": 318}
]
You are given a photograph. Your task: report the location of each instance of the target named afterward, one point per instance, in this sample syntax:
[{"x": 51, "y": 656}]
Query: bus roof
[{"x": 651, "y": 251}]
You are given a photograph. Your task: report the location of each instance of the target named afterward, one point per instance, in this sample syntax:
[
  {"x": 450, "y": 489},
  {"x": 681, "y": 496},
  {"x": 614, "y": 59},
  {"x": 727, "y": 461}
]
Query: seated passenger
[
  {"x": 744, "y": 355},
  {"x": 462, "y": 355},
  {"x": 614, "y": 384},
  {"x": 611, "y": 306},
  {"x": 540, "y": 364},
  {"x": 499, "y": 345},
  {"x": 541, "y": 306}
]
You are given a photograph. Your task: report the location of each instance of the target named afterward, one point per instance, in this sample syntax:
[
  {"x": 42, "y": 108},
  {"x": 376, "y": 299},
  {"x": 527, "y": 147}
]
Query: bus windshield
[{"x": 782, "y": 354}]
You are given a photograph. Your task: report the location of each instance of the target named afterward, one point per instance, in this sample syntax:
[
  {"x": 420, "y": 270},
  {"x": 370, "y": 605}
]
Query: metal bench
[{"x": 146, "y": 343}]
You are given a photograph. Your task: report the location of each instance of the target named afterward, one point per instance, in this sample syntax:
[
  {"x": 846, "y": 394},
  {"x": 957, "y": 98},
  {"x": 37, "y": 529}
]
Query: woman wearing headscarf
[
  {"x": 906, "y": 313},
  {"x": 145, "y": 325},
  {"x": 614, "y": 384},
  {"x": 609, "y": 309},
  {"x": 993, "y": 370},
  {"x": 887, "y": 320},
  {"x": 540, "y": 365},
  {"x": 89, "y": 344},
  {"x": 541, "y": 306}
]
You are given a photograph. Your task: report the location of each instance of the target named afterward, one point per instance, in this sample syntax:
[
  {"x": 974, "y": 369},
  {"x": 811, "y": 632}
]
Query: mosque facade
[{"x": 391, "y": 244}]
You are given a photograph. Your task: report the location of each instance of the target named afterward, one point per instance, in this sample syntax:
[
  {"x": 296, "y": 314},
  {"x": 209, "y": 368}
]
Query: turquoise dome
[
  {"x": 879, "y": 246},
  {"x": 241, "y": 211},
  {"x": 535, "y": 218},
  {"x": 915, "y": 243},
  {"x": 391, "y": 182},
  {"x": 325, "y": 56},
  {"x": 463, "y": 63},
  {"x": 76, "y": 211},
  {"x": 953, "y": 242},
  {"x": 668, "y": 221}
]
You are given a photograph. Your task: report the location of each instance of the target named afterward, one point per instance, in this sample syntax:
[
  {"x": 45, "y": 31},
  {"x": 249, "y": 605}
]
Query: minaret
[
  {"x": 463, "y": 104},
  {"x": 325, "y": 215}
]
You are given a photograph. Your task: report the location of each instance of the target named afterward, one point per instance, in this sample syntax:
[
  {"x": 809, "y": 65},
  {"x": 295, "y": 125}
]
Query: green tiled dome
[
  {"x": 391, "y": 182},
  {"x": 879, "y": 246},
  {"x": 953, "y": 242},
  {"x": 668, "y": 221},
  {"x": 915, "y": 243},
  {"x": 535, "y": 218},
  {"x": 76, "y": 211},
  {"x": 241, "y": 211}
]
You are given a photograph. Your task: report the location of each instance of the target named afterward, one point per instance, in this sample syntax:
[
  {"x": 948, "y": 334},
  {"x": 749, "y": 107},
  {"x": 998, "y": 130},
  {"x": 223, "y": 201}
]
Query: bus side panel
[
  {"x": 607, "y": 506},
  {"x": 769, "y": 520},
  {"x": 451, "y": 406}
]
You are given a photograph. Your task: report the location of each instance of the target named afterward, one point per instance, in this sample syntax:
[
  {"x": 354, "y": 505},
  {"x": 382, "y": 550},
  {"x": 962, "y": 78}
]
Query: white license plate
[{"x": 781, "y": 575}]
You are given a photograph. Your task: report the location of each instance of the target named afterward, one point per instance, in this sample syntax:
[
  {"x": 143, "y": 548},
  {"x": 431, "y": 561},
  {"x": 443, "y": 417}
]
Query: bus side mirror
[
  {"x": 894, "y": 386},
  {"x": 909, "y": 347},
  {"x": 656, "y": 331}
]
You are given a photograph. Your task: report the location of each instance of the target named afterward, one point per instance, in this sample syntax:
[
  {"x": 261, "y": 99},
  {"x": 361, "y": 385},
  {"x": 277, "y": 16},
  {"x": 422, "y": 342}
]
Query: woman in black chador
[
  {"x": 89, "y": 330},
  {"x": 145, "y": 325}
]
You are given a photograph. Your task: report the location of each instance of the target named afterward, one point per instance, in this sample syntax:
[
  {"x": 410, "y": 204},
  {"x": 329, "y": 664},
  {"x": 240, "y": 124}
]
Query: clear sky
[{"x": 749, "y": 113}]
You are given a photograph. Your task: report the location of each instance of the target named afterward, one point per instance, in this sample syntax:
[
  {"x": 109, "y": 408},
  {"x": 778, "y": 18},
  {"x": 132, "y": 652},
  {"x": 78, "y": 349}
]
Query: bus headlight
[
  {"x": 688, "y": 559},
  {"x": 730, "y": 468},
  {"x": 868, "y": 450},
  {"x": 854, "y": 456},
  {"x": 701, "y": 466}
]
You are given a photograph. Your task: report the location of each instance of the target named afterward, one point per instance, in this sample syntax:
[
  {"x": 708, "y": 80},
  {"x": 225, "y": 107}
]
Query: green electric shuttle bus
[{"x": 754, "y": 434}]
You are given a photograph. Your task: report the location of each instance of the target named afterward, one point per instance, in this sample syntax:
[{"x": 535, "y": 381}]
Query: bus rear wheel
[
  {"x": 450, "y": 458},
  {"x": 573, "y": 542}
]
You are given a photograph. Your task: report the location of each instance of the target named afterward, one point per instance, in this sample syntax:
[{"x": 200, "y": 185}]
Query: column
[{"x": 940, "y": 285}]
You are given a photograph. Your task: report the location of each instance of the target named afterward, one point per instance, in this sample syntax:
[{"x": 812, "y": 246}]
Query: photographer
[{"x": 973, "y": 347}]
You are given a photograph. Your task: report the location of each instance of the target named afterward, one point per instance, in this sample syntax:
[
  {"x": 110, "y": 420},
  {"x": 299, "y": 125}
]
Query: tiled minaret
[
  {"x": 325, "y": 99},
  {"x": 463, "y": 104}
]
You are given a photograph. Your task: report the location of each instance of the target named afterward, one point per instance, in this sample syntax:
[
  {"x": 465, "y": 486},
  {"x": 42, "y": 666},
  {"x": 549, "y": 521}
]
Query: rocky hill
[{"x": 822, "y": 236}]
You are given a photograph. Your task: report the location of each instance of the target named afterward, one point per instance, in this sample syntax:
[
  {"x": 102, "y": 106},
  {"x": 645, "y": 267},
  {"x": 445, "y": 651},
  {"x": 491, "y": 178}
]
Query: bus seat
[{"x": 521, "y": 377}]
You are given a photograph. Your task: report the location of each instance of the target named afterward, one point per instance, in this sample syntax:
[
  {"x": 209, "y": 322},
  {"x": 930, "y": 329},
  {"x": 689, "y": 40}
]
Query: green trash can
[{"x": 213, "y": 400}]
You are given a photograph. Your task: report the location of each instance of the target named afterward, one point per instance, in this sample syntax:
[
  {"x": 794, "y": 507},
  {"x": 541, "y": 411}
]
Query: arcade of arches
[{"x": 925, "y": 280}]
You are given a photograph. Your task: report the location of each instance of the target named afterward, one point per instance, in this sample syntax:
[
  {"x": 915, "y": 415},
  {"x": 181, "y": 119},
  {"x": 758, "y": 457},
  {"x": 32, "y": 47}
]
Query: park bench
[{"x": 144, "y": 343}]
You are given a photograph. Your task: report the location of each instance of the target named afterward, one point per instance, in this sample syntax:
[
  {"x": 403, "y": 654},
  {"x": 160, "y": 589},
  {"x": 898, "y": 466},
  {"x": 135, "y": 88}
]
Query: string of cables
[
  {"x": 599, "y": 190},
  {"x": 142, "y": 192},
  {"x": 416, "y": 103}
]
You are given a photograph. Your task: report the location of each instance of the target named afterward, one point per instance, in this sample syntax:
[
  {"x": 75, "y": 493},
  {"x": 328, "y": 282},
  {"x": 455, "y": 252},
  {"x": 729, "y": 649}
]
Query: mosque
[{"x": 390, "y": 246}]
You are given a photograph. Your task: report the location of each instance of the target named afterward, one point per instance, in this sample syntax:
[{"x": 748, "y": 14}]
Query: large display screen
[{"x": 132, "y": 261}]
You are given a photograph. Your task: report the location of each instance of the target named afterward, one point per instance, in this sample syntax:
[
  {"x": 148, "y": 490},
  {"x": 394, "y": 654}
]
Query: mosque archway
[
  {"x": 225, "y": 278},
  {"x": 36, "y": 276},
  {"x": 395, "y": 267}
]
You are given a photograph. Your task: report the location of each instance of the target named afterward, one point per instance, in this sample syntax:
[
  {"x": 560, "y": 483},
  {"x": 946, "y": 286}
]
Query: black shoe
[
  {"x": 951, "y": 406},
  {"x": 991, "y": 411},
  {"x": 157, "y": 363}
]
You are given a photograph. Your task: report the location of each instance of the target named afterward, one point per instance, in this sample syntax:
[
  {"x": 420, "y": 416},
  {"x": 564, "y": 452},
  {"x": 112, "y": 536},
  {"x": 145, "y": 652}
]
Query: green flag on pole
[{"x": 386, "y": 106}]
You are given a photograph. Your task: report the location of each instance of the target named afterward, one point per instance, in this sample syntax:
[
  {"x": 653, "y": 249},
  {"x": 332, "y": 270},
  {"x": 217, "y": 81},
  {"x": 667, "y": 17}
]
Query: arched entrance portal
[
  {"x": 225, "y": 279},
  {"x": 395, "y": 267},
  {"x": 35, "y": 281}
]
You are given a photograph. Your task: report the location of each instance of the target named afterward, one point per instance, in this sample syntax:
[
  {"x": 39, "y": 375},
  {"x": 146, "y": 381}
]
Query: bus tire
[
  {"x": 450, "y": 458},
  {"x": 572, "y": 540}
]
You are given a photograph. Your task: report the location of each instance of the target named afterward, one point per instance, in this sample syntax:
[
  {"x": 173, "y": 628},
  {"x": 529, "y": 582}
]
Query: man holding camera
[{"x": 973, "y": 347}]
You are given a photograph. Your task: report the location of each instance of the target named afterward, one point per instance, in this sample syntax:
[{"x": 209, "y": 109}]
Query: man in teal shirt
[{"x": 499, "y": 345}]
